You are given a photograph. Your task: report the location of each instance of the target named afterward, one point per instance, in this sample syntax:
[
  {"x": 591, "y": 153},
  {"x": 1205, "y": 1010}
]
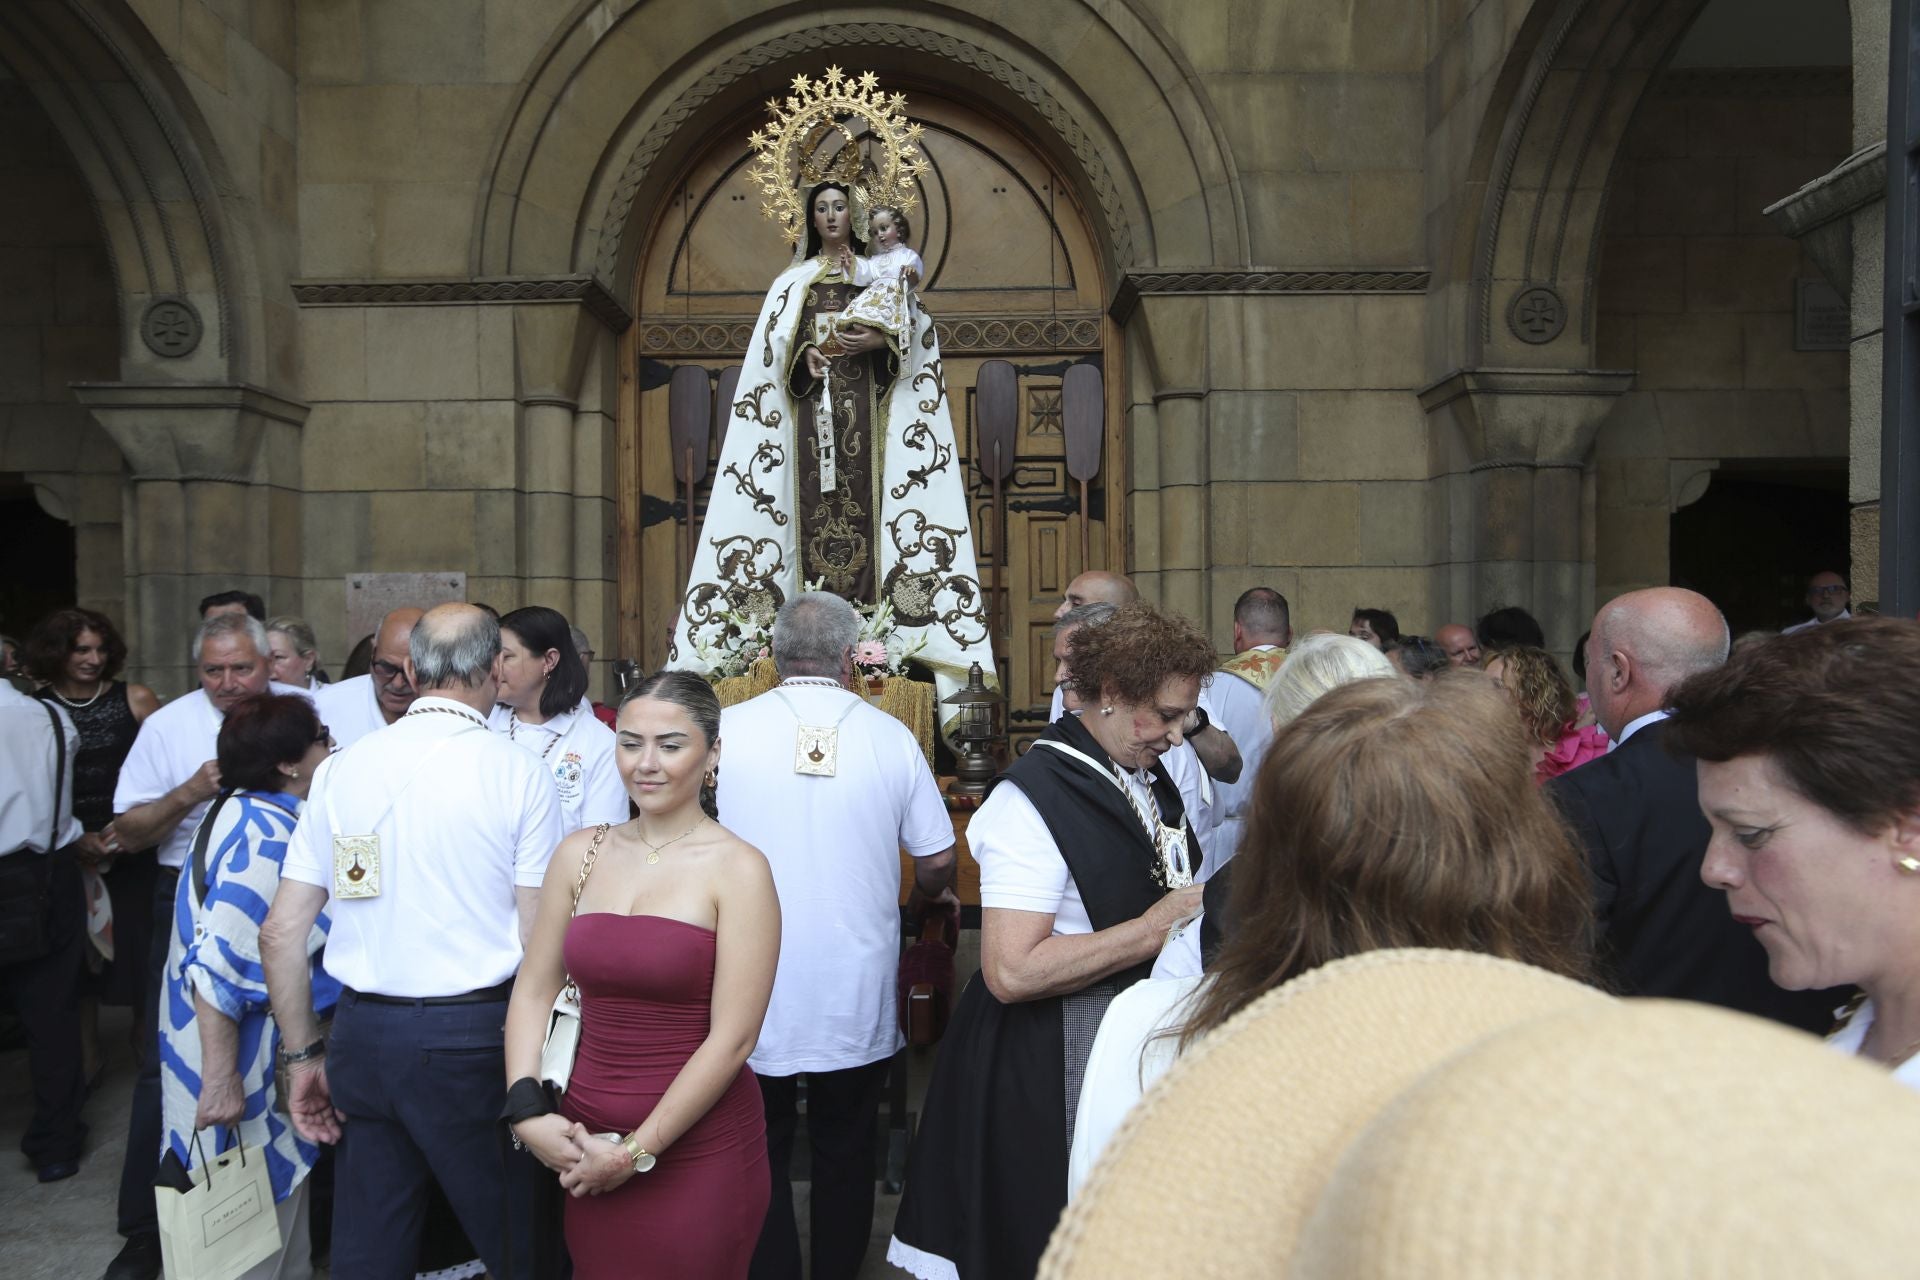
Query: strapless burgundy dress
[{"x": 646, "y": 990}]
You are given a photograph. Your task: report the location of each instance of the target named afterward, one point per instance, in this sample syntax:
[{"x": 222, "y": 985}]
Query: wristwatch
[
  {"x": 1201, "y": 723},
  {"x": 642, "y": 1158},
  {"x": 308, "y": 1054}
]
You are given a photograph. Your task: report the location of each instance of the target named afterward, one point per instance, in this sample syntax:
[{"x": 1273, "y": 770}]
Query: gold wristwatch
[{"x": 642, "y": 1158}]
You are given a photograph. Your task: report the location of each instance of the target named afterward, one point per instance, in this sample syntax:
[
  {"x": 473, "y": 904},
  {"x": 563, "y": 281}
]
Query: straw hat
[
  {"x": 1582, "y": 1137},
  {"x": 1214, "y": 1172}
]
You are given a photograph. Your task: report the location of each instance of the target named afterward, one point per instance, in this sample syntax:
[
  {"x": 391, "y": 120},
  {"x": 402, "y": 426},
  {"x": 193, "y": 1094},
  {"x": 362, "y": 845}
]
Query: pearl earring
[
  {"x": 1106, "y": 711},
  {"x": 1910, "y": 865}
]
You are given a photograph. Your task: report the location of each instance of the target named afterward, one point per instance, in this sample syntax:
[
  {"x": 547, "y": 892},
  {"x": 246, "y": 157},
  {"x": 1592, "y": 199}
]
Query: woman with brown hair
[
  {"x": 1540, "y": 692},
  {"x": 1809, "y": 751},
  {"x": 1086, "y": 863},
  {"x": 1390, "y": 813}
]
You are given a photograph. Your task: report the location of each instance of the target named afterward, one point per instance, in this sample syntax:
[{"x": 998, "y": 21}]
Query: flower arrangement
[{"x": 880, "y": 650}]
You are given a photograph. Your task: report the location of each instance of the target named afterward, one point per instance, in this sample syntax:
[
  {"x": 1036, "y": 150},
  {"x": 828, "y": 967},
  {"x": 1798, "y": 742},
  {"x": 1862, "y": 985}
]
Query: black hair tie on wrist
[{"x": 526, "y": 1098}]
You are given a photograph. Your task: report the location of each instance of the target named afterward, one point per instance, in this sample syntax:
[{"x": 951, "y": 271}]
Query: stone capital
[
  {"x": 1527, "y": 417},
  {"x": 551, "y": 342},
  {"x": 186, "y": 430},
  {"x": 1819, "y": 214}
]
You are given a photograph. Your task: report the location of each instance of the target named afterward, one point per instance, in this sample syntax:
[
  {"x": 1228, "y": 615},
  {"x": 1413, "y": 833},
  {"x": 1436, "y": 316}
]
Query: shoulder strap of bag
[
  {"x": 59, "y": 772},
  {"x": 586, "y": 866},
  {"x": 200, "y": 839}
]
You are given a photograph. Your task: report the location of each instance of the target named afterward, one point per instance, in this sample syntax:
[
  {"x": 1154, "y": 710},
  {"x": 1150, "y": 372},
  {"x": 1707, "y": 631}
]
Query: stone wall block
[
  {"x": 1143, "y": 524},
  {"x": 1691, "y": 195},
  {"x": 594, "y": 528},
  {"x": 1227, "y": 524},
  {"x": 1386, "y": 216},
  {"x": 366, "y": 445},
  {"x": 421, "y": 228},
  {"x": 1252, "y": 435},
  {"x": 1143, "y": 446},
  {"x": 423, "y": 353},
  {"x": 1556, "y": 518},
  {"x": 1183, "y": 440},
  {"x": 469, "y": 444},
  {"x": 157, "y": 535},
  {"x": 1304, "y": 524},
  {"x": 336, "y": 229},
  {"x": 1175, "y": 329},
  {"x": 499, "y": 518},
  {"x": 1362, "y": 435},
  {"x": 337, "y": 533},
  {"x": 1388, "y": 342},
  {"x": 1314, "y": 341},
  {"x": 1183, "y": 527},
  {"x": 1690, "y": 351},
  {"x": 549, "y": 535},
  {"x": 422, "y": 532},
  {"x": 1741, "y": 273},
  {"x": 1394, "y": 526},
  {"x": 1297, "y": 216},
  {"x": 1866, "y": 362},
  {"x": 218, "y": 529},
  {"x": 1503, "y": 513},
  {"x": 424, "y": 41}
]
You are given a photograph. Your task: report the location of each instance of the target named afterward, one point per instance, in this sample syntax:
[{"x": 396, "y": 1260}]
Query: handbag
[
  {"x": 925, "y": 984},
  {"x": 563, "y": 1023},
  {"x": 223, "y": 1222},
  {"x": 26, "y": 877}
]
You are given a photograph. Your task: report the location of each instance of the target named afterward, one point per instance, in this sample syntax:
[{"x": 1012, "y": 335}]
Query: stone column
[
  {"x": 213, "y": 504},
  {"x": 551, "y": 343},
  {"x": 1528, "y": 433}
]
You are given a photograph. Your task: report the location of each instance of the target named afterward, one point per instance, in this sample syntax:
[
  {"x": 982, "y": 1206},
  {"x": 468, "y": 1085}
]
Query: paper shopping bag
[{"x": 224, "y": 1222}]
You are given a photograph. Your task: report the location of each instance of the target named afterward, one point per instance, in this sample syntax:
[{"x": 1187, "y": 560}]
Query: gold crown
[{"x": 789, "y": 150}]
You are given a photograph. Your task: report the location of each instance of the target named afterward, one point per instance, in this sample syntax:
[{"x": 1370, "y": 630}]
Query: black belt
[{"x": 487, "y": 995}]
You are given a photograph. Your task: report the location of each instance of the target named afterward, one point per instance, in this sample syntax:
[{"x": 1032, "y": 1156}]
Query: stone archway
[
  {"x": 1517, "y": 388},
  {"x": 183, "y": 401}
]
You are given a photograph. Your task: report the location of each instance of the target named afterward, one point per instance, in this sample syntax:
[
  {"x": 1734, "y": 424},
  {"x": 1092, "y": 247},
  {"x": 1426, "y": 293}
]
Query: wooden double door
[{"x": 1012, "y": 274}]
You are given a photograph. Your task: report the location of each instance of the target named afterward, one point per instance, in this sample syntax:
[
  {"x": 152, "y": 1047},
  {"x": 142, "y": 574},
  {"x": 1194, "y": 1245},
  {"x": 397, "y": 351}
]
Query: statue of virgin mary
[{"x": 839, "y": 465}]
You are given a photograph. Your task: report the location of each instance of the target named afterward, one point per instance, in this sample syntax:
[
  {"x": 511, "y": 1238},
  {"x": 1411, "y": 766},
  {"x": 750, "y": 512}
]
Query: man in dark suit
[{"x": 1637, "y": 812}]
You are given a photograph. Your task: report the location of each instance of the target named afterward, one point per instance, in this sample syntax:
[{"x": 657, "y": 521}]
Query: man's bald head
[
  {"x": 391, "y": 688},
  {"x": 1097, "y": 586},
  {"x": 1643, "y": 644},
  {"x": 1459, "y": 643}
]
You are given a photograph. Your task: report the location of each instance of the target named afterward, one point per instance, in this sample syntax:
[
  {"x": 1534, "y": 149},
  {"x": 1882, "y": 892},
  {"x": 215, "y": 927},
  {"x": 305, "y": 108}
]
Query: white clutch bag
[
  {"x": 563, "y": 1037},
  {"x": 563, "y": 1024}
]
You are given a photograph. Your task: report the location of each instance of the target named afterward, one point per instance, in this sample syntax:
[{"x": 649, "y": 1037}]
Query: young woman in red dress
[{"x": 660, "y": 1138}]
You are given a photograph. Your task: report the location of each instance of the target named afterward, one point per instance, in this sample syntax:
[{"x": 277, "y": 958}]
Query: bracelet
[{"x": 315, "y": 1050}]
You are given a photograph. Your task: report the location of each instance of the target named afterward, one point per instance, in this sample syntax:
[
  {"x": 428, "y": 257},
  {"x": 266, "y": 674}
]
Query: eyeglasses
[
  {"x": 326, "y": 735},
  {"x": 387, "y": 672},
  {"x": 1827, "y": 591}
]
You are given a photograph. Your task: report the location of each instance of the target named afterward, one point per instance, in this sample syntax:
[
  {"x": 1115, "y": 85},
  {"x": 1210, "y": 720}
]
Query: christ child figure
[{"x": 887, "y": 278}]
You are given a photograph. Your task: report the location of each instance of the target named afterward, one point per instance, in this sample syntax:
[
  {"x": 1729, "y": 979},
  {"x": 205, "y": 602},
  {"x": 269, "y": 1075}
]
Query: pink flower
[{"x": 870, "y": 653}]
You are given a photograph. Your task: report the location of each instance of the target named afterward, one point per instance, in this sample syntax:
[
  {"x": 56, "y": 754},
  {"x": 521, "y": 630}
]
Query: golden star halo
[{"x": 785, "y": 165}]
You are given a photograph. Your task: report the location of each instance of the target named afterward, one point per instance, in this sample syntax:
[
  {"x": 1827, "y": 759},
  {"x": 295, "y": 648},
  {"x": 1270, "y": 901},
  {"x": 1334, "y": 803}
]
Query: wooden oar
[
  {"x": 1083, "y": 421},
  {"x": 689, "y": 424},
  {"x": 996, "y": 412}
]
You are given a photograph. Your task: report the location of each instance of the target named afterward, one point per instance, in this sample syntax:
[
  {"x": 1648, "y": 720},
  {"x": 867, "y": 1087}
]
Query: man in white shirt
[
  {"x": 357, "y": 707},
  {"x": 832, "y": 832},
  {"x": 163, "y": 790},
  {"x": 1827, "y": 596},
  {"x": 37, "y": 745},
  {"x": 1262, "y": 629},
  {"x": 427, "y": 844}
]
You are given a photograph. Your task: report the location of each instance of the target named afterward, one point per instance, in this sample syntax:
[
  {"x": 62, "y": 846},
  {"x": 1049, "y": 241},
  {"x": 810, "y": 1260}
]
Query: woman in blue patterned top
[{"x": 218, "y": 1043}]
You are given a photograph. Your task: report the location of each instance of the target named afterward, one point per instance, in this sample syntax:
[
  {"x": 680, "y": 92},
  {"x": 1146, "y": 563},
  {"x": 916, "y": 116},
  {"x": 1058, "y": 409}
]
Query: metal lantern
[{"x": 972, "y": 734}]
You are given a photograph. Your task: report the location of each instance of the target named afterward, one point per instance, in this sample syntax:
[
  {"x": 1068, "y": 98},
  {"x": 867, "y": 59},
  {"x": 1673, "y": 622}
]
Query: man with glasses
[
  {"x": 355, "y": 708},
  {"x": 1827, "y": 597}
]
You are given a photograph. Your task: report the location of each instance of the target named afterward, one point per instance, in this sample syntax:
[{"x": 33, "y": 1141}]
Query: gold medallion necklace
[{"x": 653, "y": 850}]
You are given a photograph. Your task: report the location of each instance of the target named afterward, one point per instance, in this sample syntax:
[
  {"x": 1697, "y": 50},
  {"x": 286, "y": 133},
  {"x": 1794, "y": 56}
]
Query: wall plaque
[
  {"x": 1822, "y": 320},
  {"x": 371, "y": 595}
]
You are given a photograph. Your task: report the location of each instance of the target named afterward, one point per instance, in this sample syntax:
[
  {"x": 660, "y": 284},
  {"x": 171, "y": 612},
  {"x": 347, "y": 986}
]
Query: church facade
[{"x": 1426, "y": 305}]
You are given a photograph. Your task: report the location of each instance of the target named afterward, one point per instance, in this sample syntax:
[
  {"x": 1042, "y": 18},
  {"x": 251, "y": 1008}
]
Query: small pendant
[
  {"x": 653, "y": 858},
  {"x": 816, "y": 750}
]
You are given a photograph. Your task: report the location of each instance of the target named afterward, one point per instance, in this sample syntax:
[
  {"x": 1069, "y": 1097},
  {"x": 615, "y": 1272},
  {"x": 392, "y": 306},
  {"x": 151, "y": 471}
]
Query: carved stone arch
[
  {"x": 1527, "y": 248},
  {"x": 152, "y": 171},
  {"x": 610, "y": 110}
]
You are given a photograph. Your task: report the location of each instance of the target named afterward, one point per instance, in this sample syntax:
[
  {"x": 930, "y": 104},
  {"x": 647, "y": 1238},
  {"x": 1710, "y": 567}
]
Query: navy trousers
[
  {"x": 422, "y": 1087},
  {"x": 142, "y": 1161}
]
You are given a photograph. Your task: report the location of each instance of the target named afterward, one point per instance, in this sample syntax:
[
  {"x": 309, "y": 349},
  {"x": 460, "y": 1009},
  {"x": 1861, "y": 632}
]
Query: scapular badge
[{"x": 816, "y": 750}]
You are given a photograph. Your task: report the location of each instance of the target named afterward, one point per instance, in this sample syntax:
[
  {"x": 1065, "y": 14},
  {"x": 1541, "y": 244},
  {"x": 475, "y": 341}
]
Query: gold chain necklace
[{"x": 653, "y": 850}]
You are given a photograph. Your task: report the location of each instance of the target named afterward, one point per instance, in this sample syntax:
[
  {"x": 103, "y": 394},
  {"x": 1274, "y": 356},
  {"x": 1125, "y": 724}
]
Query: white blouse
[{"x": 1851, "y": 1037}]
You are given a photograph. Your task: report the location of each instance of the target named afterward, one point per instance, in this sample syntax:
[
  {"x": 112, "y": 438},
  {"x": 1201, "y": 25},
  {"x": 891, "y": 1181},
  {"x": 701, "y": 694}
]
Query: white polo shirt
[
  {"x": 351, "y": 710},
  {"x": 172, "y": 744},
  {"x": 834, "y": 846},
  {"x": 1021, "y": 867},
  {"x": 1238, "y": 708},
  {"x": 27, "y": 782},
  {"x": 463, "y": 819},
  {"x": 576, "y": 751}
]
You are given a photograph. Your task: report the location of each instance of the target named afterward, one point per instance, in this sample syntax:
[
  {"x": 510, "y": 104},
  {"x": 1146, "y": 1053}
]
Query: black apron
[{"x": 987, "y": 1174}]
